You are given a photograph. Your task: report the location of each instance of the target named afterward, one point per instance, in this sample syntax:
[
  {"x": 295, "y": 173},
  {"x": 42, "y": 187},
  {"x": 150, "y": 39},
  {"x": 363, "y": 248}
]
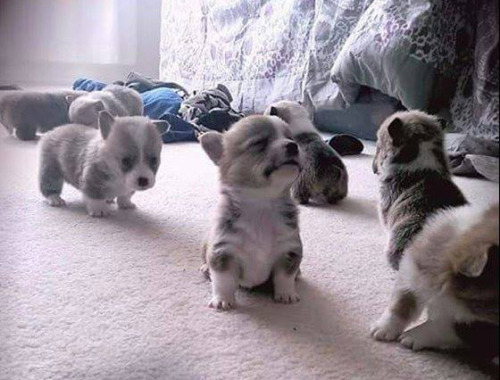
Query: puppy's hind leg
[
  {"x": 284, "y": 278},
  {"x": 224, "y": 273},
  {"x": 51, "y": 182},
  {"x": 403, "y": 308}
]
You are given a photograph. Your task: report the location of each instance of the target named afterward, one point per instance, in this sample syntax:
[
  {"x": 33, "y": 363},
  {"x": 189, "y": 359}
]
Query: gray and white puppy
[
  {"x": 324, "y": 177},
  {"x": 117, "y": 100},
  {"x": 414, "y": 175},
  {"x": 120, "y": 158},
  {"x": 255, "y": 236},
  {"x": 26, "y": 112},
  {"x": 452, "y": 269}
]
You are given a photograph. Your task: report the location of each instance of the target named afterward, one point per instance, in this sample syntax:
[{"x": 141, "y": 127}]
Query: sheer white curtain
[{"x": 67, "y": 37}]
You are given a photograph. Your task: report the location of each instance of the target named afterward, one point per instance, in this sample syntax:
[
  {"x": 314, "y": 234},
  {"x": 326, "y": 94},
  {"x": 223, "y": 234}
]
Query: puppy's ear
[
  {"x": 397, "y": 132},
  {"x": 211, "y": 142},
  {"x": 474, "y": 266},
  {"x": 273, "y": 111},
  {"x": 162, "y": 126},
  {"x": 106, "y": 121},
  {"x": 70, "y": 99},
  {"x": 98, "y": 106}
]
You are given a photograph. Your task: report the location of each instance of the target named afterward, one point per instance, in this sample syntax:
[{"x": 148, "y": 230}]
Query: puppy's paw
[
  {"x": 287, "y": 298},
  {"x": 110, "y": 201},
  {"x": 98, "y": 209},
  {"x": 222, "y": 304},
  {"x": 430, "y": 335},
  {"x": 386, "y": 329},
  {"x": 55, "y": 201},
  {"x": 127, "y": 205}
]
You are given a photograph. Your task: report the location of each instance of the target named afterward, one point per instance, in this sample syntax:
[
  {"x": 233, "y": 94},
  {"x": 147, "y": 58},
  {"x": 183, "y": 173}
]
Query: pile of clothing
[{"x": 187, "y": 114}]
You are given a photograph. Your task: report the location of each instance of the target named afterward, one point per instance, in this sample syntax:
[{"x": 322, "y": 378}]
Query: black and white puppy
[
  {"x": 451, "y": 268},
  {"x": 255, "y": 236},
  {"x": 324, "y": 177},
  {"x": 414, "y": 175},
  {"x": 120, "y": 158}
]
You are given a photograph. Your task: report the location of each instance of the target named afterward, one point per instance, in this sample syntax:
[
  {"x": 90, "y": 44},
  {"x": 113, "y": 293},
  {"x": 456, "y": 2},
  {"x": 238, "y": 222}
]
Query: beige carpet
[{"x": 121, "y": 298}]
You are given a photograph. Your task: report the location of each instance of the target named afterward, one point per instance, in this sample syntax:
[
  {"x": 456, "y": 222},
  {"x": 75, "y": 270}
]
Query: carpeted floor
[{"x": 121, "y": 298}]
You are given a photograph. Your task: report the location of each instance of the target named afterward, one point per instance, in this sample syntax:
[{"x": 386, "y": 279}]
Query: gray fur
[
  {"x": 117, "y": 100},
  {"x": 414, "y": 175},
  {"x": 27, "y": 112},
  {"x": 257, "y": 168},
  {"x": 324, "y": 177},
  {"x": 82, "y": 157}
]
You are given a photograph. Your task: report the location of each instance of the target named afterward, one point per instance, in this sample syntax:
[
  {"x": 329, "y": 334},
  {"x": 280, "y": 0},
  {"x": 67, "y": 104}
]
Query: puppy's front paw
[
  {"x": 55, "y": 201},
  {"x": 221, "y": 303},
  {"x": 287, "y": 298},
  {"x": 124, "y": 203},
  {"x": 98, "y": 209},
  {"x": 430, "y": 334},
  {"x": 386, "y": 329}
]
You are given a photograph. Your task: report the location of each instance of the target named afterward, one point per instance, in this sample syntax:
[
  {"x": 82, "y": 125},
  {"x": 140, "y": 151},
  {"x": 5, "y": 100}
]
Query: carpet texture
[{"x": 121, "y": 298}]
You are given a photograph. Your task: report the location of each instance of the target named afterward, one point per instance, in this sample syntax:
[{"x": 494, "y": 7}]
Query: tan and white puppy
[
  {"x": 255, "y": 236},
  {"x": 452, "y": 269},
  {"x": 324, "y": 177},
  {"x": 120, "y": 158}
]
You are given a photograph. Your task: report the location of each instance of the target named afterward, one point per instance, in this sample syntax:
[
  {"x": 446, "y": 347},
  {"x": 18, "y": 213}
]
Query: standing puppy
[
  {"x": 451, "y": 268},
  {"x": 324, "y": 177},
  {"x": 27, "y": 112},
  {"x": 255, "y": 236},
  {"x": 114, "y": 162},
  {"x": 414, "y": 175},
  {"x": 117, "y": 100}
]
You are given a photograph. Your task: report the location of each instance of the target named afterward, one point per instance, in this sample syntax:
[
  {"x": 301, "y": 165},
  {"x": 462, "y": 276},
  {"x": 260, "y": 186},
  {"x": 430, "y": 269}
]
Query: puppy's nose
[
  {"x": 143, "y": 181},
  {"x": 292, "y": 149}
]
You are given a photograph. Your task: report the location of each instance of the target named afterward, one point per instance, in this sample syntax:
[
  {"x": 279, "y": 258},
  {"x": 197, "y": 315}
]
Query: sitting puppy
[
  {"x": 451, "y": 268},
  {"x": 255, "y": 236},
  {"x": 324, "y": 177},
  {"x": 117, "y": 100},
  {"x": 119, "y": 159},
  {"x": 26, "y": 112},
  {"x": 414, "y": 175}
]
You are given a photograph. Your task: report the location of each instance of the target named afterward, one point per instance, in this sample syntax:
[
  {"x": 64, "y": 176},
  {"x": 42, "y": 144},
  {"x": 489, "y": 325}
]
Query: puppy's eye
[
  {"x": 127, "y": 163},
  {"x": 259, "y": 145},
  {"x": 153, "y": 161}
]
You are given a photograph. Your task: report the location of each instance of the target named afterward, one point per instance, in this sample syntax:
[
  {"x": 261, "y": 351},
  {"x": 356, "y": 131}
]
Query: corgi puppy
[
  {"x": 452, "y": 269},
  {"x": 27, "y": 112},
  {"x": 414, "y": 175},
  {"x": 117, "y": 160},
  {"x": 324, "y": 177},
  {"x": 117, "y": 100},
  {"x": 255, "y": 236}
]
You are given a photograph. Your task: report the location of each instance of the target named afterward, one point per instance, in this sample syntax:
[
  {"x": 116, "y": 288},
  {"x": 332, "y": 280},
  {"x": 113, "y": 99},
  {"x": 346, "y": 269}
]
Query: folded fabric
[
  {"x": 84, "y": 84},
  {"x": 179, "y": 129},
  {"x": 210, "y": 110},
  {"x": 473, "y": 156},
  {"x": 141, "y": 84},
  {"x": 160, "y": 101}
]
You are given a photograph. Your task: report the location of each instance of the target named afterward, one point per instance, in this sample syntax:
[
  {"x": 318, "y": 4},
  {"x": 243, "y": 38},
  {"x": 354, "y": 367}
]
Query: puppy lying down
[
  {"x": 255, "y": 236},
  {"x": 120, "y": 158},
  {"x": 117, "y": 100},
  {"x": 324, "y": 177}
]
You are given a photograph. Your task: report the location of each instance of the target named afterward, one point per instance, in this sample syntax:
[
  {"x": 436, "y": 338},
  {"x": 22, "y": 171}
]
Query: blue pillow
[{"x": 160, "y": 101}]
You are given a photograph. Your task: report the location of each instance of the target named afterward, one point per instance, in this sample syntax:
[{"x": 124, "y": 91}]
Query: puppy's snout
[
  {"x": 292, "y": 149},
  {"x": 143, "y": 182}
]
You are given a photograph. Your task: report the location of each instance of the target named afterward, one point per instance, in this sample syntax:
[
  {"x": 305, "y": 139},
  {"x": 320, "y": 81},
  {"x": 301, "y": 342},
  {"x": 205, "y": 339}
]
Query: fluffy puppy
[
  {"x": 120, "y": 158},
  {"x": 255, "y": 236},
  {"x": 451, "y": 268},
  {"x": 117, "y": 100},
  {"x": 26, "y": 112},
  {"x": 414, "y": 176},
  {"x": 324, "y": 177}
]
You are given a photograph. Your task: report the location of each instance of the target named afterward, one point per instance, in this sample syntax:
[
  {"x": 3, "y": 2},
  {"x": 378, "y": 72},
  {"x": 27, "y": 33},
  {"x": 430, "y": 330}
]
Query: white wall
[{"x": 52, "y": 42}]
